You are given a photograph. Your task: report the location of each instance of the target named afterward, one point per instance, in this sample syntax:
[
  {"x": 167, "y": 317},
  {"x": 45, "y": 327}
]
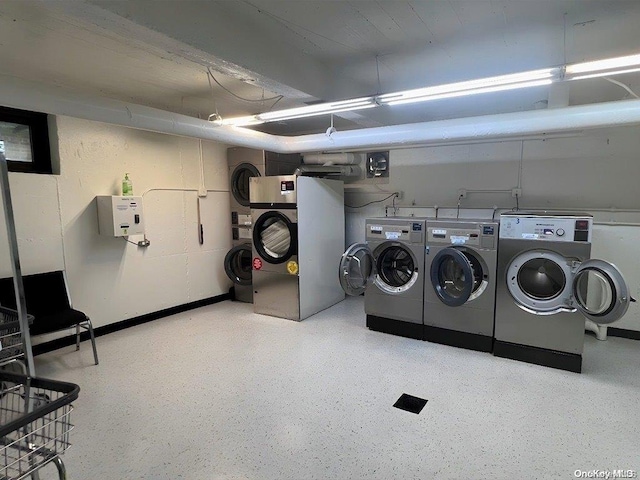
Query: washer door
[
  {"x": 240, "y": 182},
  {"x": 540, "y": 282},
  {"x": 275, "y": 237},
  {"x": 453, "y": 277},
  {"x": 357, "y": 269},
  {"x": 237, "y": 264},
  {"x": 397, "y": 268},
  {"x": 600, "y": 291}
]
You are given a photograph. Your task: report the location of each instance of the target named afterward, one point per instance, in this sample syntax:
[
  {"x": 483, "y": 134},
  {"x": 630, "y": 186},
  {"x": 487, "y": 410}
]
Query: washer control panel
[
  {"x": 546, "y": 228},
  {"x": 454, "y": 236},
  {"x": 410, "y": 232}
]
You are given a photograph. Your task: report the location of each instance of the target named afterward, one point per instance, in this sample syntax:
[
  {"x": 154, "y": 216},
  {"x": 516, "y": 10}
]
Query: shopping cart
[
  {"x": 35, "y": 421},
  {"x": 11, "y": 346}
]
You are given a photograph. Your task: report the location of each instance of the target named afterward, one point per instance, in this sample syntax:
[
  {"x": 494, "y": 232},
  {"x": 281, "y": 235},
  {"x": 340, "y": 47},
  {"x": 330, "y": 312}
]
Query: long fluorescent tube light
[
  {"x": 533, "y": 78},
  {"x": 302, "y": 112},
  {"x": 601, "y": 68},
  {"x": 472, "y": 87}
]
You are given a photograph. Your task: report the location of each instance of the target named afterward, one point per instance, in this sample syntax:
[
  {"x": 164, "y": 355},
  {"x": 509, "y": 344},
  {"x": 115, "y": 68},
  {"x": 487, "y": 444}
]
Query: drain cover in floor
[{"x": 410, "y": 403}]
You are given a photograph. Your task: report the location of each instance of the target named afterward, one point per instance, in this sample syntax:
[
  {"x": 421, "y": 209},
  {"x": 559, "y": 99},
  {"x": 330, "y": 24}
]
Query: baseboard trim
[
  {"x": 623, "y": 333},
  {"x": 395, "y": 327},
  {"x": 571, "y": 362},
  {"x": 128, "y": 323},
  {"x": 470, "y": 341}
]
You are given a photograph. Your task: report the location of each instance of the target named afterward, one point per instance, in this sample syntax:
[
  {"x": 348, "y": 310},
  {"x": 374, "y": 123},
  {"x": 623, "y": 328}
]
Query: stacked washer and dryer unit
[{"x": 244, "y": 164}]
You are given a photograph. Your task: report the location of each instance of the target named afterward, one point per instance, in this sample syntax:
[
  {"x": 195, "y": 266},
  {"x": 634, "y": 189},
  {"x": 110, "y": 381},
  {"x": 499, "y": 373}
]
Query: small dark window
[{"x": 24, "y": 140}]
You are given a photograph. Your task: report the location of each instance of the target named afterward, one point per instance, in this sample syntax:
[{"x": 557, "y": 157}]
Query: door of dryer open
[
  {"x": 458, "y": 275},
  {"x": 357, "y": 269},
  {"x": 543, "y": 282}
]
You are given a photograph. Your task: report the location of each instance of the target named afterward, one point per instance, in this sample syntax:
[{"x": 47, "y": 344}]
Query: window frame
[{"x": 39, "y": 137}]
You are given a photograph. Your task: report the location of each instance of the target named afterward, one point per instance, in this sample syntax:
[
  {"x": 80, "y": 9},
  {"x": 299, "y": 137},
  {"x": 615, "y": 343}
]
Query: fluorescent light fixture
[
  {"x": 302, "y": 112},
  {"x": 532, "y": 78},
  {"x": 602, "y": 68}
]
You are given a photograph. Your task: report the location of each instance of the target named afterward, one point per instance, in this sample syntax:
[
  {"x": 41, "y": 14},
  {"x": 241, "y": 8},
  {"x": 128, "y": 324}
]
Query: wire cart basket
[
  {"x": 34, "y": 412},
  {"x": 35, "y": 416}
]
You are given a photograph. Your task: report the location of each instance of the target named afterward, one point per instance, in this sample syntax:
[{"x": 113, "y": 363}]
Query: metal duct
[
  {"x": 328, "y": 171},
  {"x": 330, "y": 159},
  {"x": 19, "y": 93}
]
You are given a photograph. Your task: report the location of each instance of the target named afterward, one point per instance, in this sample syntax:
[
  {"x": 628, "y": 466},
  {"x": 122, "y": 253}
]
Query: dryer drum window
[
  {"x": 238, "y": 265},
  {"x": 594, "y": 291},
  {"x": 395, "y": 266},
  {"x": 274, "y": 237},
  {"x": 240, "y": 179},
  {"x": 541, "y": 278}
]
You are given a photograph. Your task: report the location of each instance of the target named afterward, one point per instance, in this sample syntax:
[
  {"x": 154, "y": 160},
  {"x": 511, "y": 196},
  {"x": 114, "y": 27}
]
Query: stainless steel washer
[
  {"x": 389, "y": 270},
  {"x": 547, "y": 285},
  {"x": 237, "y": 266},
  {"x": 461, "y": 261}
]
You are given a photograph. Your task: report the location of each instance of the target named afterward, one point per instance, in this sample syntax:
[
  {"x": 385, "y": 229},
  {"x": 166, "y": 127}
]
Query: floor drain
[{"x": 410, "y": 403}]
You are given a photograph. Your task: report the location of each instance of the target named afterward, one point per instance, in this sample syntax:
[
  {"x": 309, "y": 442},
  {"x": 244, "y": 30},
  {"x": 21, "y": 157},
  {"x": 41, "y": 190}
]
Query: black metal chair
[{"x": 47, "y": 298}]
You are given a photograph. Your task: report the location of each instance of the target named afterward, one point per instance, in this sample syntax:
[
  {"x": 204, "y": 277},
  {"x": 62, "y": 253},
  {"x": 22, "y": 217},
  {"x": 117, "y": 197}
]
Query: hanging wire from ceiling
[
  {"x": 620, "y": 84},
  {"x": 277, "y": 98}
]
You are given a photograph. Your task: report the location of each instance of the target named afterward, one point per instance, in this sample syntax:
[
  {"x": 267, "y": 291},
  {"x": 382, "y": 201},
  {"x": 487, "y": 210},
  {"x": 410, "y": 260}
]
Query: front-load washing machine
[
  {"x": 459, "y": 298},
  {"x": 547, "y": 284},
  {"x": 298, "y": 237},
  {"x": 388, "y": 269}
]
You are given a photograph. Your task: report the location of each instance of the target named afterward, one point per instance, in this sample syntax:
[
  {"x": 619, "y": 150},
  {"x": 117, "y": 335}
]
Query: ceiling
[{"x": 199, "y": 57}]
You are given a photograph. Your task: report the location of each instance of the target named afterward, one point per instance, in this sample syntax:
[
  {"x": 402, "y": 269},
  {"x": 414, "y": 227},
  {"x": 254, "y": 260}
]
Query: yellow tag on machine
[{"x": 292, "y": 267}]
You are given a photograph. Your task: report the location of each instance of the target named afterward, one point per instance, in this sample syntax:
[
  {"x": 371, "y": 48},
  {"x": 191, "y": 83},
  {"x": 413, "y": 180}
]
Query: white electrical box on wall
[{"x": 120, "y": 216}]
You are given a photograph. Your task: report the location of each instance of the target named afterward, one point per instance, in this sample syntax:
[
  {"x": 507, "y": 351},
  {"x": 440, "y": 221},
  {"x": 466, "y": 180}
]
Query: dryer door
[
  {"x": 453, "y": 277},
  {"x": 600, "y": 291},
  {"x": 275, "y": 237},
  {"x": 237, "y": 264},
  {"x": 239, "y": 183},
  {"x": 357, "y": 269}
]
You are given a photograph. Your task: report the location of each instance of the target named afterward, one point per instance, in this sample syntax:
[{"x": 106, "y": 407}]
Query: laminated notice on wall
[
  {"x": 459, "y": 239},
  {"x": 392, "y": 235}
]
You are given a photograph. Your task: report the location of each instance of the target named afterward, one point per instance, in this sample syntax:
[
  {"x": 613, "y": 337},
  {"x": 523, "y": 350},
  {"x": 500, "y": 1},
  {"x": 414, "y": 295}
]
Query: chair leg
[
  {"x": 77, "y": 337},
  {"x": 93, "y": 341}
]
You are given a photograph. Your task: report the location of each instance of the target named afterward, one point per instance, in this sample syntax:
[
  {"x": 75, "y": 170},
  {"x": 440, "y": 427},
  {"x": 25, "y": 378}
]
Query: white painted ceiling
[{"x": 157, "y": 53}]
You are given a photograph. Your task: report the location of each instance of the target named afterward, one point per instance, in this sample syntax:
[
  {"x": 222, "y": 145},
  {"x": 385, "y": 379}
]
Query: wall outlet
[
  {"x": 399, "y": 195},
  {"x": 462, "y": 193},
  {"x": 144, "y": 243},
  {"x": 516, "y": 192}
]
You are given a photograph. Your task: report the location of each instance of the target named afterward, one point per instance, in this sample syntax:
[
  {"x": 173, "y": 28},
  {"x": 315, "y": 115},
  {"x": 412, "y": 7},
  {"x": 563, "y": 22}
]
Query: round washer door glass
[
  {"x": 240, "y": 182},
  {"x": 453, "y": 277},
  {"x": 600, "y": 291},
  {"x": 237, "y": 264},
  {"x": 396, "y": 268},
  {"x": 274, "y": 237}
]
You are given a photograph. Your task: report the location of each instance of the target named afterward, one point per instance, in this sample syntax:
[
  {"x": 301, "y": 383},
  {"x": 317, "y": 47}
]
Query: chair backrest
[{"x": 45, "y": 293}]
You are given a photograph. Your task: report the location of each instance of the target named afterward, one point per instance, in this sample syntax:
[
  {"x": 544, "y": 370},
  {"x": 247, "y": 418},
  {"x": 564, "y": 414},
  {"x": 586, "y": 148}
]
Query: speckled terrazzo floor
[{"x": 222, "y": 393}]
